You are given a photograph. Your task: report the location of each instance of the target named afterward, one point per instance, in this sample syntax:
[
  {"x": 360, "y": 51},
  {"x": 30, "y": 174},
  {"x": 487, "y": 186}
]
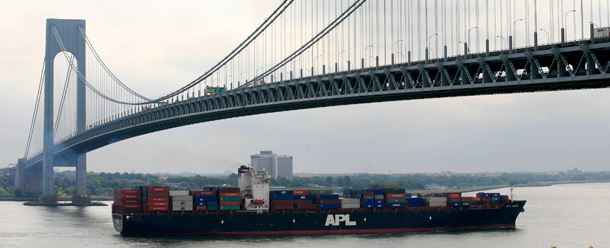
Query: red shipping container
[
  {"x": 307, "y": 206},
  {"x": 130, "y": 191},
  {"x": 228, "y": 190},
  {"x": 467, "y": 199},
  {"x": 204, "y": 192},
  {"x": 131, "y": 205},
  {"x": 229, "y": 203},
  {"x": 453, "y": 195},
  {"x": 276, "y": 206},
  {"x": 132, "y": 197},
  {"x": 450, "y": 200},
  {"x": 303, "y": 201},
  {"x": 202, "y": 208},
  {"x": 153, "y": 208},
  {"x": 329, "y": 201},
  {"x": 369, "y": 193},
  {"x": 504, "y": 198},
  {"x": 486, "y": 199},
  {"x": 158, "y": 189},
  {"x": 158, "y": 204},
  {"x": 130, "y": 201},
  {"x": 476, "y": 199},
  {"x": 157, "y": 194},
  {"x": 300, "y": 192},
  {"x": 158, "y": 199},
  {"x": 393, "y": 196},
  {"x": 232, "y": 194},
  {"x": 283, "y": 202}
]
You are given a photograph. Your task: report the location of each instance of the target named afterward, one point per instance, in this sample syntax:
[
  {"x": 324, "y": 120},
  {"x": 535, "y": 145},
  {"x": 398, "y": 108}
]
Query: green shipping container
[
  {"x": 475, "y": 203},
  {"x": 229, "y": 207},
  {"x": 394, "y": 191},
  {"x": 233, "y": 198}
]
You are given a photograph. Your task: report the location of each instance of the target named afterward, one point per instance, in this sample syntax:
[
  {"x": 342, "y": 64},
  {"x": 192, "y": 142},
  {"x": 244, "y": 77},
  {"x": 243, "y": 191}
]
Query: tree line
[{"x": 103, "y": 184}]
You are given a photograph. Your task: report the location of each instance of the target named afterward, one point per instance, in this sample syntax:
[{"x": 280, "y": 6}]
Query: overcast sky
[{"x": 158, "y": 46}]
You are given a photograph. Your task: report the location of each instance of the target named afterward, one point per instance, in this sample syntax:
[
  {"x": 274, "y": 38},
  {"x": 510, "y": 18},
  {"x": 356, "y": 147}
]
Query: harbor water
[{"x": 566, "y": 215}]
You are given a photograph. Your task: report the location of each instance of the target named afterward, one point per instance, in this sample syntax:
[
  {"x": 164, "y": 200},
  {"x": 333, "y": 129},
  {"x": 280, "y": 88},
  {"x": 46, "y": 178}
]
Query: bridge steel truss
[{"x": 557, "y": 67}]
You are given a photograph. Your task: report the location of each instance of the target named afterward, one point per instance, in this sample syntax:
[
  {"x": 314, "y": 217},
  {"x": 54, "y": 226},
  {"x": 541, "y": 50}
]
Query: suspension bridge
[{"x": 320, "y": 53}]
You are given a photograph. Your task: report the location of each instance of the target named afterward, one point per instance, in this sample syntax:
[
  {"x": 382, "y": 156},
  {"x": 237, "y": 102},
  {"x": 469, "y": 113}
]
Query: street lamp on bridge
[
  {"x": 514, "y": 31},
  {"x": 473, "y": 28},
  {"x": 547, "y": 35},
  {"x": 503, "y": 40},
  {"x": 565, "y": 16}
]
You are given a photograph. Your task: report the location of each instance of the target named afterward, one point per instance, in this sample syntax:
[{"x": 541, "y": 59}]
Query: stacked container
[
  {"x": 156, "y": 199},
  {"x": 328, "y": 201},
  {"x": 436, "y": 201},
  {"x": 395, "y": 198},
  {"x": 229, "y": 198},
  {"x": 182, "y": 200},
  {"x": 205, "y": 197},
  {"x": 454, "y": 199},
  {"x": 350, "y": 203},
  {"x": 127, "y": 201},
  {"x": 282, "y": 199},
  {"x": 414, "y": 202},
  {"x": 302, "y": 199}
]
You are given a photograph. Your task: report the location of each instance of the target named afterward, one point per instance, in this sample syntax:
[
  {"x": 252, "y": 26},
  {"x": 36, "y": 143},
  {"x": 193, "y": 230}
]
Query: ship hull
[{"x": 321, "y": 223}]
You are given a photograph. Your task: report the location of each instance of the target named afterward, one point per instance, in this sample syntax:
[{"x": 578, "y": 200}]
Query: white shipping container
[
  {"x": 350, "y": 201},
  {"x": 183, "y": 208},
  {"x": 602, "y": 32},
  {"x": 182, "y": 203},
  {"x": 182, "y": 198},
  {"x": 437, "y": 201},
  {"x": 178, "y": 192},
  {"x": 350, "y": 205}
]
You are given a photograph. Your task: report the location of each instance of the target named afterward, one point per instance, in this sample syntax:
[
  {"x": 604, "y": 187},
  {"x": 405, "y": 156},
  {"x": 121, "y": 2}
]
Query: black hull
[{"x": 319, "y": 223}]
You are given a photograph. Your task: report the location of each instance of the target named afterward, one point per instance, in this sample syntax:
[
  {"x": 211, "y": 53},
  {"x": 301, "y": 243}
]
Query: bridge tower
[{"x": 69, "y": 32}]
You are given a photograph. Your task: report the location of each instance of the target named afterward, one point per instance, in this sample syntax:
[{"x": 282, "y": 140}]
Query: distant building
[{"x": 275, "y": 165}]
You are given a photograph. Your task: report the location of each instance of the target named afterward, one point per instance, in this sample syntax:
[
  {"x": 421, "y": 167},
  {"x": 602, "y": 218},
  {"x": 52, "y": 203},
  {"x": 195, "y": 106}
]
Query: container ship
[{"x": 253, "y": 209}]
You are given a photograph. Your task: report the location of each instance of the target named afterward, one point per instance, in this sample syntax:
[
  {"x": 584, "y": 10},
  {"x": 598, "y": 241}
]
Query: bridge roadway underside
[{"x": 570, "y": 67}]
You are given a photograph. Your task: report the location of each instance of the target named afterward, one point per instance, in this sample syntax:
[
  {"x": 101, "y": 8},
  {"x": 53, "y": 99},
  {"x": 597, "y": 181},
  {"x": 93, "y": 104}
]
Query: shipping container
[
  {"x": 302, "y": 197},
  {"x": 229, "y": 207},
  {"x": 179, "y": 192},
  {"x": 306, "y": 206},
  {"x": 204, "y": 192},
  {"x": 282, "y": 197},
  {"x": 307, "y": 201},
  {"x": 229, "y": 199},
  {"x": 283, "y": 202},
  {"x": 282, "y": 206},
  {"x": 202, "y": 208},
  {"x": 350, "y": 205},
  {"x": 328, "y": 201},
  {"x": 396, "y": 200},
  {"x": 300, "y": 192},
  {"x": 329, "y": 206},
  {"x": 328, "y": 197},
  {"x": 320, "y": 191},
  {"x": 157, "y": 189},
  {"x": 396, "y": 205},
  {"x": 453, "y": 195},
  {"x": 395, "y": 195},
  {"x": 350, "y": 201},
  {"x": 228, "y": 190},
  {"x": 395, "y": 191},
  {"x": 231, "y": 194},
  {"x": 212, "y": 207},
  {"x": 229, "y": 203},
  {"x": 379, "y": 197}
]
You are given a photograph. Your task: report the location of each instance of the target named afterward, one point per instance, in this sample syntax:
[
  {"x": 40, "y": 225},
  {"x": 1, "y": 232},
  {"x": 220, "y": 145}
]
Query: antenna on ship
[{"x": 512, "y": 186}]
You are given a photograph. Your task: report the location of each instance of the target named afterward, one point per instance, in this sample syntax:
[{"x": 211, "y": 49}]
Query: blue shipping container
[
  {"x": 302, "y": 197},
  {"x": 212, "y": 203},
  {"x": 456, "y": 204},
  {"x": 466, "y": 204},
  {"x": 282, "y": 192},
  {"x": 495, "y": 198},
  {"x": 378, "y": 201},
  {"x": 396, "y": 200},
  {"x": 379, "y": 205},
  {"x": 369, "y": 202},
  {"x": 282, "y": 197},
  {"x": 368, "y": 205},
  {"x": 212, "y": 208},
  {"x": 329, "y": 206},
  {"x": 328, "y": 197},
  {"x": 200, "y": 204}
]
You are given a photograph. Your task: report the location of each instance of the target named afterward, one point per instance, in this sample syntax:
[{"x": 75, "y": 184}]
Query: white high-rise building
[{"x": 275, "y": 165}]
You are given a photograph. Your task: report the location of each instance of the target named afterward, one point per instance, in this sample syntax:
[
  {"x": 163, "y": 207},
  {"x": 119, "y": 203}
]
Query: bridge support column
[
  {"x": 20, "y": 177},
  {"x": 72, "y": 40}
]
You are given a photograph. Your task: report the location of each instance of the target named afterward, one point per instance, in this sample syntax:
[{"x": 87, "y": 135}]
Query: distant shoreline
[{"x": 542, "y": 184}]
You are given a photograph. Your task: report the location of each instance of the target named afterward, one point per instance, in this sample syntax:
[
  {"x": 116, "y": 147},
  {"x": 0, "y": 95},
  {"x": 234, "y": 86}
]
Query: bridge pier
[
  {"x": 72, "y": 40},
  {"x": 20, "y": 176}
]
